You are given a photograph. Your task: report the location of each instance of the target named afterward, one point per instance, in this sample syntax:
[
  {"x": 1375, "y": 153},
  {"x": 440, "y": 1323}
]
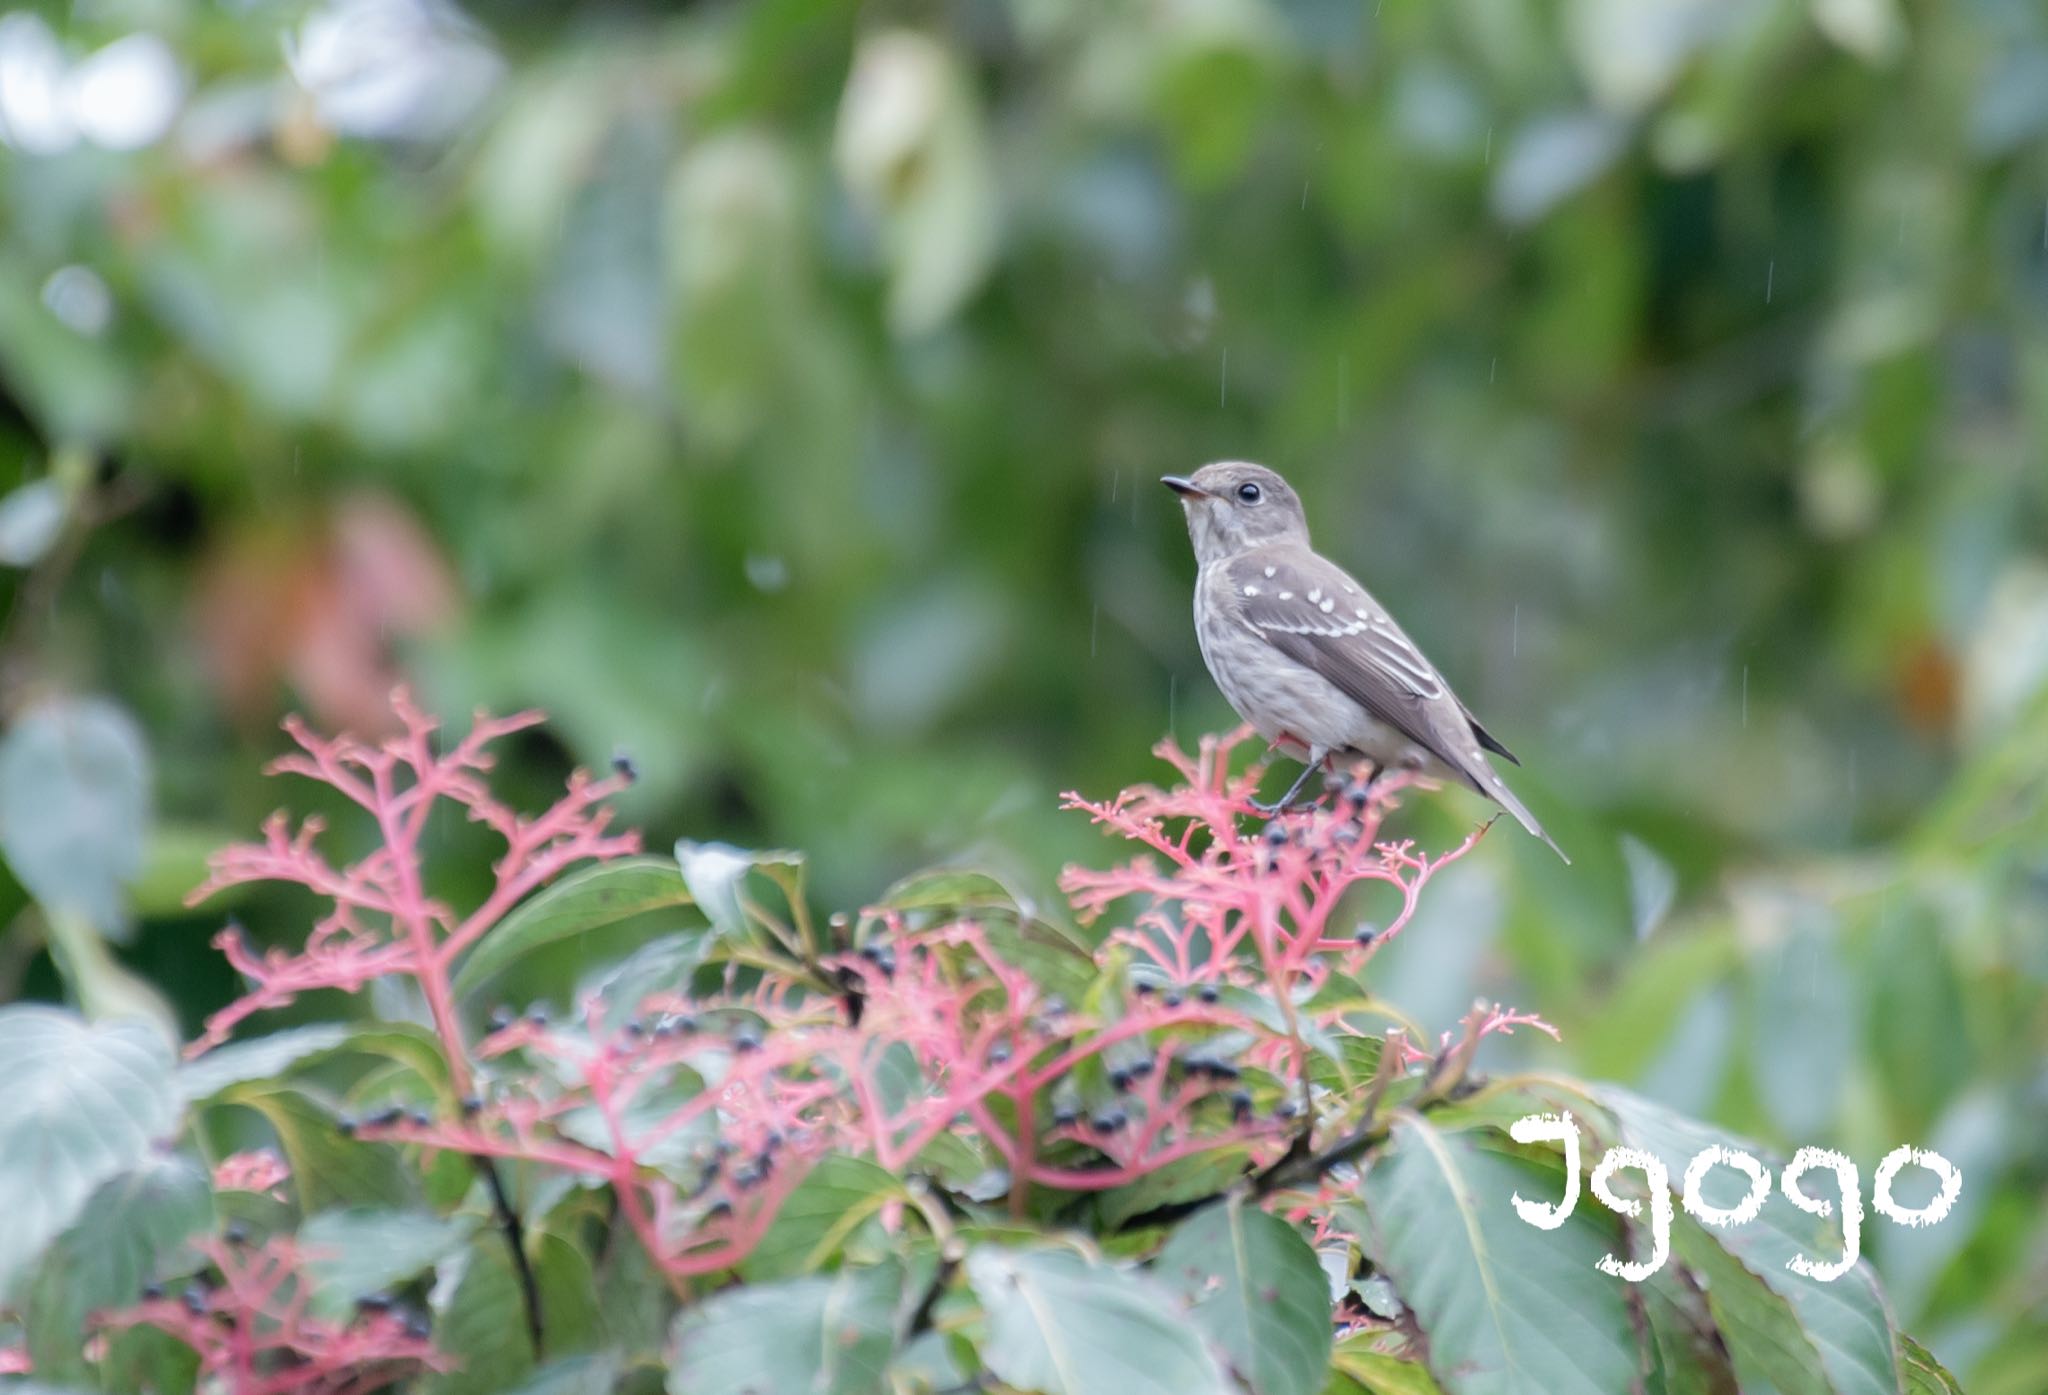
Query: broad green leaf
[
  {"x": 282, "y": 1053},
  {"x": 1846, "y": 1319},
  {"x": 329, "y": 1168},
  {"x": 81, "y": 1104},
  {"x": 1015, "y": 928},
  {"x": 716, "y": 874},
  {"x": 480, "y": 1319},
  {"x": 1923, "y": 1374},
  {"x": 74, "y": 806},
  {"x": 571, "y": 1317},
  {"x": 1062, "y": 1325},
  {"x": 1377, "y": 1372},
  {"x": 259, "y": 1058},
  {"x": 586, "y": 900},
  {"x": 1765, "y": 1342},
  {"x": 1492, "y": 1293},
  {"x": 1686, "y": 1355},
  {"x": 834, "y": 1199},
  {"x": 130, "y": 1227},
  {"x": 821, "y": 1336},
  {"x": 635, "y": 1299},
  {"x": 1183, "y": 1179},
  {"x": 664, "y": 965},
  {"x": 360, "y": 1250},
  {"x": 1253, "y": 1285},
  {"x": 593, "y": 1374}
]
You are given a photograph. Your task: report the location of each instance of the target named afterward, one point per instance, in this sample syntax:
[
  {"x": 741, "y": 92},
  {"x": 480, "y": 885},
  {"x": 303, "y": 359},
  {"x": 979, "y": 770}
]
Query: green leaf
[
  {"x": 1687, "y": 1356},
  {"x": 1062, "y": 1325},
  {"x": 1016, "y": 929},
  {"x": 824, "y": 1336},
  {"x": 74, "y": 806},
  {"x": 572, "y": 1319},
  {"x": 1255, "y": 1287},
  {"x": 132, "y": 1225},
  {"x": 586, "y": 900},
  {"x": 835, "y": 1197},
  {"x": 663, "y": 965},
  {"x": 259, "y": 1058},
  {"x": 480, "y": 1320},
  {"x": 1183, "y": 1179},
  {"x": 592, "y": 1374},
  {"x": 716, "y": 874},
  {"x": 329, "y": 1168},
  {"x": 360, "y": 1250},
  {"x": 82, "y": 1103},
  {"x": 1491, "y": 1292},
  {"x": 1923, "y": 1374},
  {"x": 1846, "y": 1319},
  {"x": 1377, "y": 1372},
  {"x": 279, "y": 1054},
  {"x": 1763, "y": 1336}
]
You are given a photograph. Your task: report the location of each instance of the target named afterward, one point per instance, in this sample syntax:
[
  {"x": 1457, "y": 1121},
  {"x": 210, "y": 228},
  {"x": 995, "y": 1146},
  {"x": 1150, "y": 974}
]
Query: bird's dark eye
[{"x": 1249, "y": 493}]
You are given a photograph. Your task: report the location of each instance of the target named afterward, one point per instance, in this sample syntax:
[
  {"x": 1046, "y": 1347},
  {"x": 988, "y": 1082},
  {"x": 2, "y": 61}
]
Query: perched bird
[{"x": 1308, "y": 657}]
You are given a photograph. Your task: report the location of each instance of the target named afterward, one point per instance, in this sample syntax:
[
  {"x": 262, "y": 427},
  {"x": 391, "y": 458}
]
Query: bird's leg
[{"x": 1285, "y": 801}]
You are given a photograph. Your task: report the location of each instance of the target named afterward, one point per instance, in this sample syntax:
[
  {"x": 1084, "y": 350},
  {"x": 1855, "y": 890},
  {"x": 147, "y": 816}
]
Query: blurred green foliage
[{"x": 776, "y": 391}]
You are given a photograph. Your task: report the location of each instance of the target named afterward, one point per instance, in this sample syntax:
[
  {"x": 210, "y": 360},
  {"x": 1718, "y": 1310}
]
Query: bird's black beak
[{"x": 1183, "y": 486}]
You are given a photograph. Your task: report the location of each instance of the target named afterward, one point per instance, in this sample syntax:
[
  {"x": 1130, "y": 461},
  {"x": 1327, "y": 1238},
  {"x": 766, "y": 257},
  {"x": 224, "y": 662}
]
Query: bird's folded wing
[{"x": 1310, "y": 611}]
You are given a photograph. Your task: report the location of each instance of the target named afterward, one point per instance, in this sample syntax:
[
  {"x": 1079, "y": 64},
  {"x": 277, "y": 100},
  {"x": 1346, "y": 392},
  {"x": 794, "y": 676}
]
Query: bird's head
[{"x": 1233, "y": 506}]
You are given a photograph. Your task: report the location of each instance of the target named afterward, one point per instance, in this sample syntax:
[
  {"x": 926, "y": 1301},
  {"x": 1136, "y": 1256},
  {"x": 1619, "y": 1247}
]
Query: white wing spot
[
  {"x": 1286, "y": 595},
  {"x": 1315, "y": 595},
  {"x": 1269, "y": 572},
  {"x": 1329, "y": 604},
  {"x": 1360, "y": 614},
  {"x": 1349, "y": 589},
  {"x": 1251, "y": 590}
]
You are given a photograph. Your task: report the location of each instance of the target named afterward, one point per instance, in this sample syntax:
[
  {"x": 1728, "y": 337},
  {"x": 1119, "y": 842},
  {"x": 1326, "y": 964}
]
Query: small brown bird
[{"x": 1308, "y": 657}]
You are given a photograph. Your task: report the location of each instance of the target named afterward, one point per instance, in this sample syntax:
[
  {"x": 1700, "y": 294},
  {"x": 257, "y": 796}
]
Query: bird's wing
[
  {"x": 1307, "y": 608},
  {"x": 1312, "y": 612}
]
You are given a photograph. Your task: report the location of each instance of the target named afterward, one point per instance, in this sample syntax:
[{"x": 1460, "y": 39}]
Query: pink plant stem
[{"x": 418, "y": 926}]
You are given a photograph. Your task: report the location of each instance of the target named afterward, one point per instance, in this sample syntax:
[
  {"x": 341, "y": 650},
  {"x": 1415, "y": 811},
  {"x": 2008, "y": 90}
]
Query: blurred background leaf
[{"x": 775, "y": 391}]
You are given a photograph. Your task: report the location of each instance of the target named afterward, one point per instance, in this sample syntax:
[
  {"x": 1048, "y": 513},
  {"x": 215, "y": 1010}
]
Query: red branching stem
[
  {"x": 383, "y": 923},
  {"x": 255, "y": 1336}
]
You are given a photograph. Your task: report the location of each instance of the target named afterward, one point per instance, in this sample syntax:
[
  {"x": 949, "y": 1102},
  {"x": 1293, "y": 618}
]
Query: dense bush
[{"x": 942, "y": 1145}]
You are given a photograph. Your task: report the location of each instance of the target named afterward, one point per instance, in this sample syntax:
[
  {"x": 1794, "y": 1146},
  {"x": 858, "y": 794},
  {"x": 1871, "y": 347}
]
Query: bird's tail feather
[{"x": 1497, "y": 789}]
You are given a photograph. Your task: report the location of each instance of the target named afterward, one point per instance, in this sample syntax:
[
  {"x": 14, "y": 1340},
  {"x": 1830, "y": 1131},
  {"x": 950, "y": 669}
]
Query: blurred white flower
[
  {"x": 34, "y": 115},
  {"x": 125, "y": 96},
  {"x": 392, "y": 68}
]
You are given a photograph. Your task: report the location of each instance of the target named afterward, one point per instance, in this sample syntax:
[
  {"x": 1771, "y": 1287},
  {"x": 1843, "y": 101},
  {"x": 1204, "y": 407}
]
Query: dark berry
[
  {"x": 1366, "y": 933},
  {"x": 472, "y": 1104},
  {"x": 502, "y": 1017},
  {"x": 1209, "y": 993},
  {"x": 1120, "y": 1080},
  {"x": 1241, "y": 1106},
  {"x": 623, "y": 767},
  {"x": 1276, "y": 834},
  {"x": 1108, "y": 1122}
]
